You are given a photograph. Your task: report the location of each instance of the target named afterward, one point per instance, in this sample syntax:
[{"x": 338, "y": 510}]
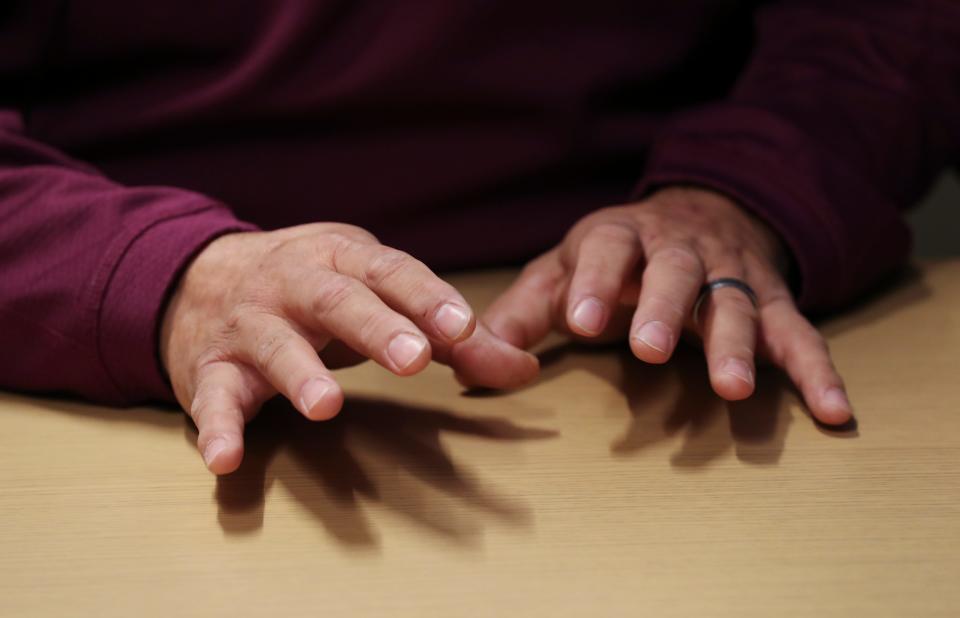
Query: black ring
[{"x": 716, "y": 284}]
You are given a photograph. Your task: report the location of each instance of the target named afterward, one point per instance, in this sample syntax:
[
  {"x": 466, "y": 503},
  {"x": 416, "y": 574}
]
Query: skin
[{"x": 257, "y": 314}]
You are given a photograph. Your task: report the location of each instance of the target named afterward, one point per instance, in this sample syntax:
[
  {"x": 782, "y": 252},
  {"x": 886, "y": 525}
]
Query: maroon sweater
[{"x": 468, "y": 132}]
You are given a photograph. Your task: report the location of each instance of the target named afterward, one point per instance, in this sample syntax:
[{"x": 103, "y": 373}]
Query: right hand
[{"x": 261, "y": 313}]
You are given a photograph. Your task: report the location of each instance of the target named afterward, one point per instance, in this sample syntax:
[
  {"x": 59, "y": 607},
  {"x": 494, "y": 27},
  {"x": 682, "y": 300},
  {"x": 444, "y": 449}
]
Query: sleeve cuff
[
  {"x": 136, "y": 291},
  {"x": 843, "y": 234}
]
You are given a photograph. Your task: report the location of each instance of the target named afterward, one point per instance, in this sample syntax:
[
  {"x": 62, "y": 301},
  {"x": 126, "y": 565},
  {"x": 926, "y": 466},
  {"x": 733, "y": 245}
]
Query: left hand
[{"x": 637, "y": 269}]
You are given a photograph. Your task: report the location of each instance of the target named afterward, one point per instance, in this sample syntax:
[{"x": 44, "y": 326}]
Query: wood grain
[{"x": 608, "y": 488}]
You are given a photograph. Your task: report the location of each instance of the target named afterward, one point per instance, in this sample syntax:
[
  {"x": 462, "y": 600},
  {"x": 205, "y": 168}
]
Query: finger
[
  {"x": 488, "y": 361},
  {"x": 341, "y": 306},
  {"x": 523, "y": 314},
  {"x": 219, "y": 409},
  {"x": 289, "y": 363},
  {"x": 607, "y": 255},
  {"x": 729, "y": 332},
  {"x": 671, "y": 282},
  {"x": 794, "y": 344},
  {"x": 407, "y": 286}
]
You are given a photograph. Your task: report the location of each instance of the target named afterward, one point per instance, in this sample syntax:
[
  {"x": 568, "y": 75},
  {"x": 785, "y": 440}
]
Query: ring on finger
[{"x": 716, "y": 284}]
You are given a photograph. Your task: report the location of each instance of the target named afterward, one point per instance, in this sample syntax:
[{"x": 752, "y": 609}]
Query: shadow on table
[
  {"x": 374, "y": 454},
  {"x": 676, "y": 398},
  {"x": 665, "y": 401},
  {"x": 388, "y": 454}
]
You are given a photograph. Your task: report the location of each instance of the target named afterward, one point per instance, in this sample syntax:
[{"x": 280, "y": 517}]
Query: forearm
[{"x": 84, "y": 270}]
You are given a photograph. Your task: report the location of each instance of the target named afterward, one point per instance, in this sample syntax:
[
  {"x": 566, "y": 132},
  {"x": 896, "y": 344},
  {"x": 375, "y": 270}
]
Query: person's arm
[
  {"x": 85, "y": 265},
  {"x": 843, "y": 117},
  {"x": 845, "y": 113}
]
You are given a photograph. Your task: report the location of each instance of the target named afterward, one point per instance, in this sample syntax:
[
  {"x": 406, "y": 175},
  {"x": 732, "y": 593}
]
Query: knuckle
[
  {"x": 683, "y": 259},
  {"x": 729, "y": 256},
  {"x": 203, "y": 403},
  {"x": 808, "y": 339},
  {"x": 243, "y": 324},
  {"x": 335, "y": 249},
  {"x": 663, "y": 304},
  {"x": 808, "y": 353},
  {"x": 424, "y": 298},
  {"x": 238, "y": 320},
  {"x": 609, "y": 232},
  {"x": 232, "y": 324},
  {"x": 612, "y": 212},
  {"x": 353, "y": 232},
  {"x": 543, "y": 267},
  {"x": 270, "y": 347},
  {"x": 610, "y": 215},
  {"x": 820, "y": 345},
  {"x": 387, "y": 265},
  {"x": 275, "y": 249},
  {"x": 335, "y": 291},
  {"x": 778, "y": 297},
  {"x": 209, "y": 359},
  {"x": 539, "y": 279},
  {"x": 373, "y": 329},
  {"x": 199, "y": 405}
]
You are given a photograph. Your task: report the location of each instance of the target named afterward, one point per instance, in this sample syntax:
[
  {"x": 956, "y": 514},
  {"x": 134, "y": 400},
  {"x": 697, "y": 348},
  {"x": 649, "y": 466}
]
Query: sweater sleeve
[
  {"x": 845, "y": 114},
  {"x": 85, "y": 268}
]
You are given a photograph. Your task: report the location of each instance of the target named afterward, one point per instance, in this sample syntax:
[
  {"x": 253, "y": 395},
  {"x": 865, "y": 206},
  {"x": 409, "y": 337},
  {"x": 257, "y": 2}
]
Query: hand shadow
[
  {"x": 386, "y": 453},
  {"x": 665, "y": 400}
]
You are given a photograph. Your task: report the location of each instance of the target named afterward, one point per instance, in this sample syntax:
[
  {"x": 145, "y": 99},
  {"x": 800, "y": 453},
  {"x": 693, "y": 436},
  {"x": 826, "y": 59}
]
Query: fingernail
[
  {"x": 835, "y": 399},
  {"x": 588, "y": 315},
  {"x": 312, "y": 392},
  {"x": 452, "y": 320},
  {"x": 213, "y": 448},
  {"x": 656, "y": 335},
  {"x": 738, "y": 369},
  {"x": 404, "y": 349}
]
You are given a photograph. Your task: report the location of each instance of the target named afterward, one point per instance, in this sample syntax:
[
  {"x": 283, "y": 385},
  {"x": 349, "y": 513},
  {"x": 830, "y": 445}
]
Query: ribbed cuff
[{"x": 135, "y": 296}]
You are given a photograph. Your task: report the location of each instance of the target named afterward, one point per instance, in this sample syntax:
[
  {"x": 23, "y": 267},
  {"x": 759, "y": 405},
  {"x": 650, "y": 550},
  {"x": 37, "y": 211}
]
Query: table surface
[{"x": 608, "y": 488}]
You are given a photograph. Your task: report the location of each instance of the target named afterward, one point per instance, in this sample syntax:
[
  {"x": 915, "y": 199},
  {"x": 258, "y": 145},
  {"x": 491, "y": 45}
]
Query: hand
[
  {"x": 253, "y": 309},
  {"x": 638, "y": 269}
]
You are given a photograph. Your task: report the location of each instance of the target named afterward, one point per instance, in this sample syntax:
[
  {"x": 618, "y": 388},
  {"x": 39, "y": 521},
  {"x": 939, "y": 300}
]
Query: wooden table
[{"x": 608, "y": 488}]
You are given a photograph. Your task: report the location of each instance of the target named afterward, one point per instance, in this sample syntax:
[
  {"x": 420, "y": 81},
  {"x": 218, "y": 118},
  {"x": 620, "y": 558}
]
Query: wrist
[{"x": 203, "y": 280}]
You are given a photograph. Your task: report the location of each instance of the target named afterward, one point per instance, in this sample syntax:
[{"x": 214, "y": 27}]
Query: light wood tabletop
[{"x": 607, "y": 488}]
